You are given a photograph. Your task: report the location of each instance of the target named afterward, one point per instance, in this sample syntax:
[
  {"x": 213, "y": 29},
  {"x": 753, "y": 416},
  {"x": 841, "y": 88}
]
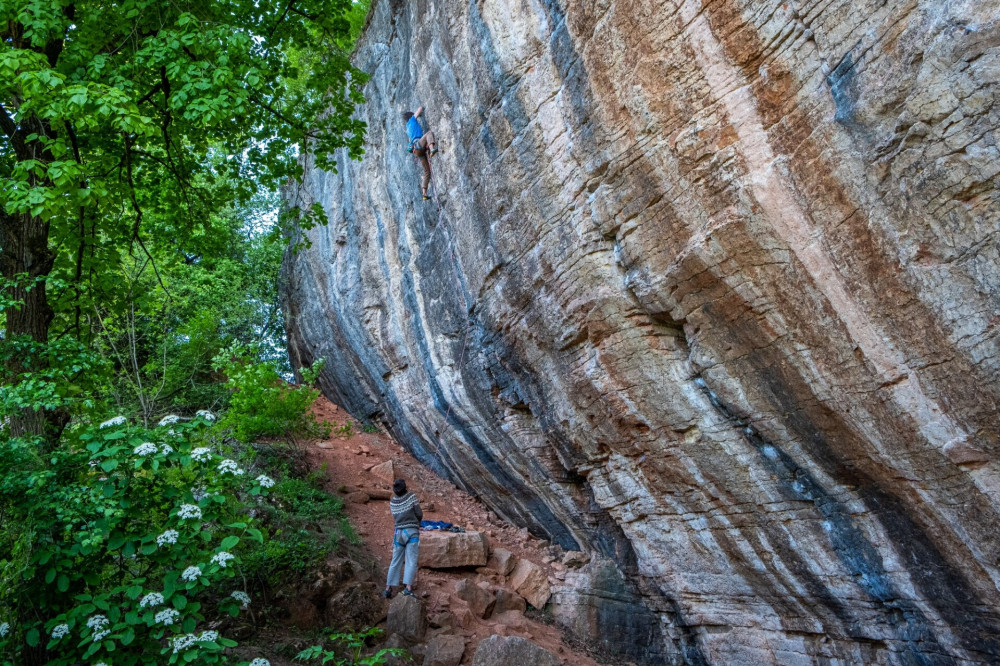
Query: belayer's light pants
[{"x": 405, "y": 546}]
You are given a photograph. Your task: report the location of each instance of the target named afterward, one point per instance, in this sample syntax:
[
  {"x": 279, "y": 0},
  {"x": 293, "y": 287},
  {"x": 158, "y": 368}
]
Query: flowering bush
[{"x": 124, "y": 561}]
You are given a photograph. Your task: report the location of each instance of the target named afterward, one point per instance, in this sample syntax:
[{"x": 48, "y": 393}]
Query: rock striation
[{"x": 709, "y": 290}]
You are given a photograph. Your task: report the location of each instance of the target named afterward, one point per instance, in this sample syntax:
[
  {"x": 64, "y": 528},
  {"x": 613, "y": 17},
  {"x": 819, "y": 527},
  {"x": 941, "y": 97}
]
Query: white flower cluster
[
  {"x": 151, "y": 599},
  {"x": 59, "y": 631},
  {"x": 260, "y": 661},
  {"x": 97, "y": 624},
  {"x": 111, "y": 423},
  {"x": 170, "y": 536},
  {"x": 265, "y": 481},
  {"x": 170, "y": 419},
  {"x": 145, "y": 449},
  {"x": 189, "y": 511},
  {"x": 183, "y": 642},
  {"x": 166, "y": 616},
  {"x": 191, "y": 573},
  {"x": 5, "y": 627},
  {"x": 199, "y": 494},
  {"x": 222, "y": 558},
  {"x": 97, "y": 621},
  {"x": 241, "y": 597},
  {"x": 201, "y": 454},
  {"x": 205, "y": 414},
  {"x": 230, "y": 467},
  {"x": 209, "y": 636},
  {"x": 166, "y": 449}
]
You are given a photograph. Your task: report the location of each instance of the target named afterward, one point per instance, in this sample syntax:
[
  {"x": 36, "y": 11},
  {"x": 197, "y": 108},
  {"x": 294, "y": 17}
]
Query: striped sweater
[{"x": 406, "y": 511}]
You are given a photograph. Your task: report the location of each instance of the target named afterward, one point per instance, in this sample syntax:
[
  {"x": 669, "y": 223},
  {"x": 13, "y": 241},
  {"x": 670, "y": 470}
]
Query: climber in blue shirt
[{"x": 422, "y": 145}]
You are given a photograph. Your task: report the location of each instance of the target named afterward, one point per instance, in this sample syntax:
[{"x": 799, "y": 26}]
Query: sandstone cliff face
[{"x": 709, "y": 288}]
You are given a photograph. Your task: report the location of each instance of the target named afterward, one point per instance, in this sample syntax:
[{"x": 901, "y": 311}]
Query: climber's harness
[{"x": 414, "y": 538}]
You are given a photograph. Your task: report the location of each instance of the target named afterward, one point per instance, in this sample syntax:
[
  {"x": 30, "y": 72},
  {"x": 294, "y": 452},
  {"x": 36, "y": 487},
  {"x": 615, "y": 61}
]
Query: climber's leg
[
  {"x": 424, "y": 162},
  {"x": 429, "y": 142}
]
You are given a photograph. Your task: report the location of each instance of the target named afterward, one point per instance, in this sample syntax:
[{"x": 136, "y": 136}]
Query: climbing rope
[{"x": 442, "y": 215}]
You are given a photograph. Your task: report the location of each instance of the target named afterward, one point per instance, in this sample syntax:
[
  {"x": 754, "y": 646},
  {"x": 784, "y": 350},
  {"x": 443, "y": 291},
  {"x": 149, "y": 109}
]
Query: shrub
[
  {"x": 125, "y": 545},
  {"x": 262, "y": 403}
]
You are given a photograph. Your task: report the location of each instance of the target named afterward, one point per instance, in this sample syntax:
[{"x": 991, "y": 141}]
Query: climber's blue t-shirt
[{"x": 413, "y": 129}]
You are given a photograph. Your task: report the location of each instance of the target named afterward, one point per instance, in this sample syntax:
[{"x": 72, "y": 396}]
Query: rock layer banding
[{"x": 710, "y": 290}]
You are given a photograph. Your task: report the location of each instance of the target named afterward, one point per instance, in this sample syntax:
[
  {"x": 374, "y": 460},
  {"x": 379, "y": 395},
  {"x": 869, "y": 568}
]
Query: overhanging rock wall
[{"x": 709, "y": 288}]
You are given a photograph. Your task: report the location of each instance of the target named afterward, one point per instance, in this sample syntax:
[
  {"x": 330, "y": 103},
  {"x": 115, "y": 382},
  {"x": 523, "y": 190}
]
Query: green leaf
[
  {"x": 62, "y": 583},
  {"x": 180, "y": 602},
  {"x": 32, "y": 637},
  {"x": 116, "y": 541},
  {"x": 229, "y": 542},
  {"x": 109, "y": 465}
]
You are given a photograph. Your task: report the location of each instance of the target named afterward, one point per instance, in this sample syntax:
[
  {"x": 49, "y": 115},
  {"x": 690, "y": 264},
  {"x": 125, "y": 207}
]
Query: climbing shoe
[
  {"x": 434, "y": 151},
  {"x": 426, "y": 198},
  {"x": 407, "y": 592}
]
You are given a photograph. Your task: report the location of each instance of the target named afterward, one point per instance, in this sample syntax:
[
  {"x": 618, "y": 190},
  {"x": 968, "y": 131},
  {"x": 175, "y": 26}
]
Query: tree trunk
[{"x": 25, "y": 257}]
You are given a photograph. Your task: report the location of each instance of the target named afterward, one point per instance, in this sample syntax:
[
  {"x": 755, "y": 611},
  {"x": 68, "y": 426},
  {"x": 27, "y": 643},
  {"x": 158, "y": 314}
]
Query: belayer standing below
[
  {"x": 422, "y": 145},
  {"x": 406, "y": 514}
]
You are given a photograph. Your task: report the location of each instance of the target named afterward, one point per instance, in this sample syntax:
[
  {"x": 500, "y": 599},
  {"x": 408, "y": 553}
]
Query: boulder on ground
[
  {"x": 443, "y": 620},
  {"x": 444, "y": 650},
  {"x": 381, "y": 495},
  {"x": 502, "y": 561},
  {"x": 355, "y": 606},
  {"x": 512, "y": 651},
  {"x": 575, "y": 558},
  {"x": 480, "y": 601},
  {"x": 384, "y": 472},
  {"x": 531, "y": 582},
  {"x": 447, "y": 550},
  {"x": 512, "y": 619},
  {"x": 508, "y": 601},
  {"x": 407, "y": 617},
  {"x": 359, "y": 497}
]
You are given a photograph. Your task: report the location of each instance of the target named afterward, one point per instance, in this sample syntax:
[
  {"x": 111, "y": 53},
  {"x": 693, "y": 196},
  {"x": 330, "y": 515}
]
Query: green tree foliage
[
  {"x": 141, "y": 146},
  {"x": 128, "y": 131}
]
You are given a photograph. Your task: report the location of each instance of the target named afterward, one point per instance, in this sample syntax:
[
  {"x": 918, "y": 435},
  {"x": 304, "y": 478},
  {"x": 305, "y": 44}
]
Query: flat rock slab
[
  {"x": 448, "y": 550},
  {"x": 512, "y": 651}
]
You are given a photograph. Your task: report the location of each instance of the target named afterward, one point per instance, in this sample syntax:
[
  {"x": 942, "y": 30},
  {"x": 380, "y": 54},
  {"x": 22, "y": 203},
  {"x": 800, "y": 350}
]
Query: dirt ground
[{"x": 348, "y": 460}]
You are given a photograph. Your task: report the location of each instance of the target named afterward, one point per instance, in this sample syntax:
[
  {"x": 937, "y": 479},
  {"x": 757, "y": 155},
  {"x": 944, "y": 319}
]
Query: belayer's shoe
[
  {"x": 387, "y": 593},
  {"x": 407, "y": 592}
]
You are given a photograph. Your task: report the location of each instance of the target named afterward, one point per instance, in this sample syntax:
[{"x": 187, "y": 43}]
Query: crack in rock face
[{"x": 708, "y": 290}]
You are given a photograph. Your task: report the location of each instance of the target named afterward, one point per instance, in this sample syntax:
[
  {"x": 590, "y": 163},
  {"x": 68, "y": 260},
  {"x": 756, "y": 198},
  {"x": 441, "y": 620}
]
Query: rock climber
[
  {"x": 406, "y": 514},
  {"x": 422, "y": 145}
]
